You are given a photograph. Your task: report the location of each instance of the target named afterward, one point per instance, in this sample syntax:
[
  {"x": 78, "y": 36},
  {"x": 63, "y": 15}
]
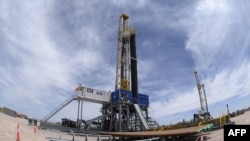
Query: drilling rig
[
  {"x": 203, "y": 114},
  {"x": 123, "y": 109},
  {"x": 128, "y": 108},
  {"x": 126, "y": 68}
]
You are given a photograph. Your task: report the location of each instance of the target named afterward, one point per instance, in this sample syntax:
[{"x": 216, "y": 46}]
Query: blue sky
[{"x": 48, "y": 47}]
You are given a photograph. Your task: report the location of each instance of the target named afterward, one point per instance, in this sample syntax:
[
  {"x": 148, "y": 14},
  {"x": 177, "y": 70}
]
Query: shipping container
[{"x": 9, "y": 112}]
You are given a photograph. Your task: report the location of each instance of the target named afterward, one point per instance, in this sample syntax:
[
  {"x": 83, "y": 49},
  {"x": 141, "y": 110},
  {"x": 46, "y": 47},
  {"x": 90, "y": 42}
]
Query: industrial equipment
[
  {"x": 80, "y": 125},
  {"x": 203, "y": 113},
  {"x": 128, "y": 108},
  {"x": 123, "y": 109}
]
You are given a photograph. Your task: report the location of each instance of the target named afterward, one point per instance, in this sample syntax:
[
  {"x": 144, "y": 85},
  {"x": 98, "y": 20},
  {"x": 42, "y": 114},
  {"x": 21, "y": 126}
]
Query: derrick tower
[
  {"x": 126, "y": 68},
  {"x": 203, "y": 114},
  {"x": 128, "y": 109}
]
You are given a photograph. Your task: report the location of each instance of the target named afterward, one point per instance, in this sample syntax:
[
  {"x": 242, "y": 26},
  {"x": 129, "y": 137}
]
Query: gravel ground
[
  {"x": 8, "y": 130},
  {"x": 217, "y": 135}
]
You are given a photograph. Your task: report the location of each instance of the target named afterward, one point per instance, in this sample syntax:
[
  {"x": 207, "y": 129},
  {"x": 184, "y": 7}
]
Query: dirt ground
[
  {"x": 9, "y": 130},
  {"x": 217, "y": 135}
]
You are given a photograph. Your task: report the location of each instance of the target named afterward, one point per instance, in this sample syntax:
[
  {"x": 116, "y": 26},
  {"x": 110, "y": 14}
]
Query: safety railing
[{"x": 54, "y": 135}]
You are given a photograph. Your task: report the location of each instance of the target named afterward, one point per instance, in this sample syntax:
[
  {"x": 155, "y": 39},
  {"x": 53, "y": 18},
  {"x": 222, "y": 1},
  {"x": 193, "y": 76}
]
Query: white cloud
[
  {"x": 52, "y": 46},
  {"x": 218, "y": 43}
]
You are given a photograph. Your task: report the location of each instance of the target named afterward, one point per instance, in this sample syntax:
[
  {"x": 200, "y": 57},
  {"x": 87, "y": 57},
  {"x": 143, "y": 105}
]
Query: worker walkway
[{"x": 85, "y": 94}]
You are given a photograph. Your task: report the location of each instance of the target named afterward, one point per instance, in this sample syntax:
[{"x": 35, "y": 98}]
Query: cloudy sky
[{"x": 48, "y": 47}]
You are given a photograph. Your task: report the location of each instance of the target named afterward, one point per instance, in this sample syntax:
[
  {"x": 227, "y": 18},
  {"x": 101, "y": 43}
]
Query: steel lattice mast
[
  {"x": 201, "y": 94},
  {"x": 203, "y": 99},
  {"x": 123, "y": 70}
]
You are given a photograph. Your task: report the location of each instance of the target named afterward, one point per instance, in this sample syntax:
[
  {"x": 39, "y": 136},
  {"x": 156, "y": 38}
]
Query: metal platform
[{"x": 82, "y": 94}]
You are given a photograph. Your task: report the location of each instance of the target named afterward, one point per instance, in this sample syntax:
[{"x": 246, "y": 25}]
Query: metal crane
[{"x": 203, "y": 114}]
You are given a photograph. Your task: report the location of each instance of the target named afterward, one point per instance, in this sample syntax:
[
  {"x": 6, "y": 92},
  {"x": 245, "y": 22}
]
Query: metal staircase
[
  {"x": 142, "y": 118},
  {"x": 65, "y": 103}
]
